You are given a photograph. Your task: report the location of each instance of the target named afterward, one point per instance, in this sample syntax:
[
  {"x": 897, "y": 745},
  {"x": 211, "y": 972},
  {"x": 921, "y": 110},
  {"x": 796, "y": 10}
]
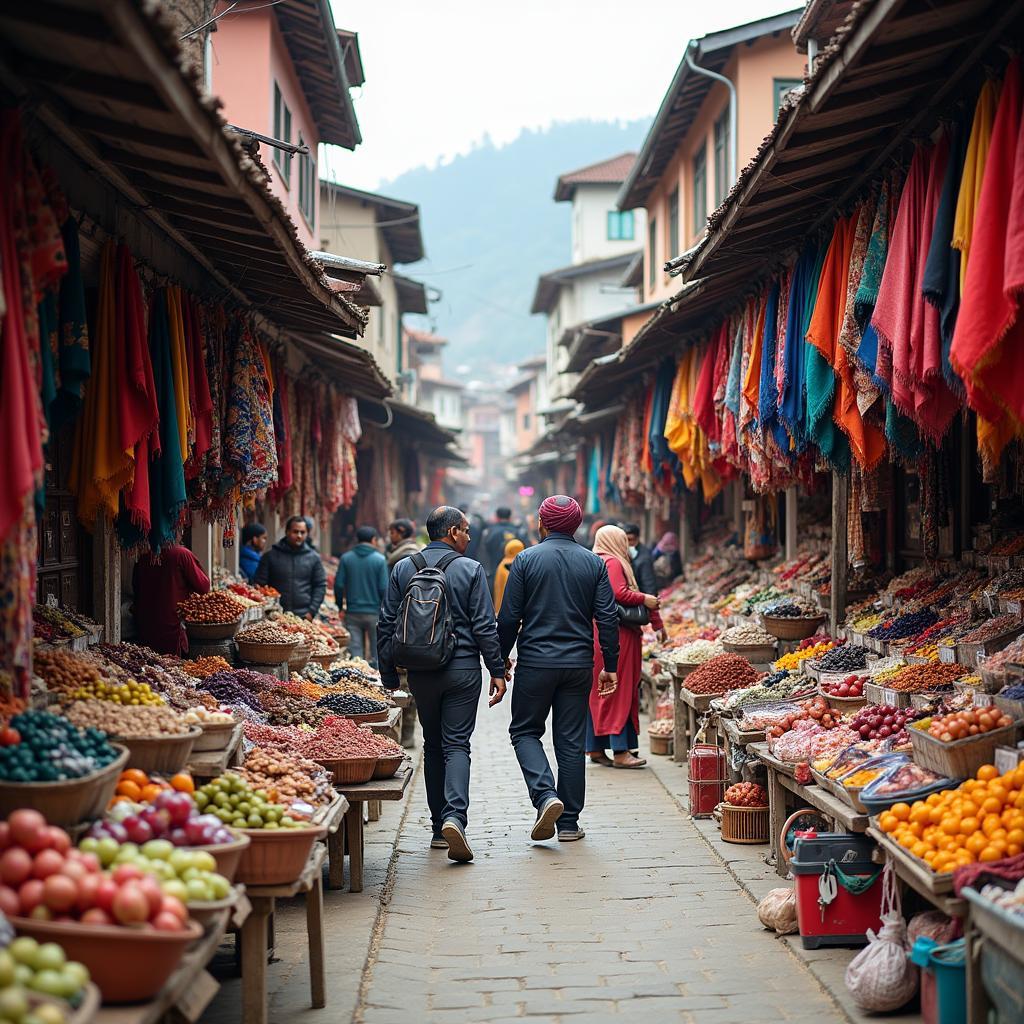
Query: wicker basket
[
  {"x": 299, "y": 658},
  {"x": 759, "y": 654},
  {"x": 746, "y": 825},
  {"x": 265, "y": 654},
  {"x": 215, "y": 736},
  {"x": 792, "y": 628},
  {"x": 325, "y": 660},
  {"x": 369, "y": 718},
  {"x": 386, "y": 767},
  {"x": 227, "y": 855},
  {"x": 960, "y": 759},
  {"x": 277, "y": 856},
  {"x": 349, "y": 771},
  {"x": 160, "y": 755},
  {"x": 66, "y": 803},
  {"x": 212, "y": 630},
  {"x": 660, "y": 745}
]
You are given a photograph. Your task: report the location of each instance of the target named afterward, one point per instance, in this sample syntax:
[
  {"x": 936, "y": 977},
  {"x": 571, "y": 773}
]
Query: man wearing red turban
[{"x": 554, "y": 594}]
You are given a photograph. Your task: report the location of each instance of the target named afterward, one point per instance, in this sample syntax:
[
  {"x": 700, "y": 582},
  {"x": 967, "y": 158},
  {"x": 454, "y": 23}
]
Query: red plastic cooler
[
  {"x": 707, "y": 779},
  {"x": 838, "y": 889}
]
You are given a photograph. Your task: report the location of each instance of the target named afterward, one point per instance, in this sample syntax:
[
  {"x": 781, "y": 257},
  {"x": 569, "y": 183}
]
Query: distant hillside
[{"x": 490, "y": 226}]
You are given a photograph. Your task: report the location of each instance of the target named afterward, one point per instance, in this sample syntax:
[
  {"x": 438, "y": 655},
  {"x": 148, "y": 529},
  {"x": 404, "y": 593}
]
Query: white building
[
  {"x": 430, "y": 389},
  {"x": 604, "y": 242}
]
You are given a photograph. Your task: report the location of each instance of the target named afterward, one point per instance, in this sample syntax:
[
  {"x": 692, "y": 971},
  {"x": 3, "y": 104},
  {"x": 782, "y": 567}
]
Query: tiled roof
[
  {"x": 424, "y": 337},
  {"x": 606, "y": 172}
]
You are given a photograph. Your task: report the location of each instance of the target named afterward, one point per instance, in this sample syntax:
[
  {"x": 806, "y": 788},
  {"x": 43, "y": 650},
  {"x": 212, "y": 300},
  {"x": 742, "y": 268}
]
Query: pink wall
[
  {"x": 249, "y": 54},
  {"x": 752, "y": 70}
]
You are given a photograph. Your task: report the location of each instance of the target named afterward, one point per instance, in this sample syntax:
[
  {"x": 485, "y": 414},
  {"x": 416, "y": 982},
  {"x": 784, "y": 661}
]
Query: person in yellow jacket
[{"x": 512, "y": 548}]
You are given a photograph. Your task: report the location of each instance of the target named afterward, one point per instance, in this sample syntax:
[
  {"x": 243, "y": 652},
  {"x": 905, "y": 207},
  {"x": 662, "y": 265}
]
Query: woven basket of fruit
[
  {"x": 946, "y": 745},
  {"x": 160, "y": 755},
  {"x": 745, "y": 814}
]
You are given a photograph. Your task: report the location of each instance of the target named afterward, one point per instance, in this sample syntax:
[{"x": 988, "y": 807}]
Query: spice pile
[
  {"x": 267, "y": 633},
  {"x": 129, "y": 722},
  {"x": 214, "y": 608},
  {"x": 992, "y": 628},
  {"x": 723, "y": 672},
  {"x": 338, "y": 738},
  {"x": 921, "y": 678},
  {"x": 206, "y": 666}
]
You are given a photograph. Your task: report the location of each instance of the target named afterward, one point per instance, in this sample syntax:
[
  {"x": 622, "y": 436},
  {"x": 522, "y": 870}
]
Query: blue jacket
[
  {"x": 555, "y": 593},
  {"x": 472, "y": 614},
  {"x": 248, "y": 560},
  {"x": 362, "y": 580}
]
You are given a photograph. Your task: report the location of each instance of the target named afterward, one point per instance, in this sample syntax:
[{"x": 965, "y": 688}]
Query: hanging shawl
[
  {"x": 821, "y": 338},
  {"x": 988, "y": 343},
  {"x": 785, "y": 283},
  {"x": 752, "y": 369},
  {"x": 645, "y": 452},
  {"x": 593, "y": 488},
  {"x": 138, "y": 408},
  {"x": 802, "y": 290},
  {"x": 973, "y": 173},
  {"x": 198, "y": 387},
  {"x": 768, "y": 404},
  {"x": 731, "y": 392},
  {"x": 179, "y": 361},
  {"x": 941, "y": 282},
  {"x": 102, "y": 463},
  {"x": 704, "y": 396},
  {"x": 662, "y": 396},
  {"x": 166, "y": 476},
  {"x": 869, "y": 385},
  {"x": 72, "y": 335},
  {"x": 852, "y": 329}
]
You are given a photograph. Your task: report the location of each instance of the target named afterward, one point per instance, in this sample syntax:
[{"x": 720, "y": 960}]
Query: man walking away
[
  {"x": 555, "y": 593},
  {"x": 448, "y": 694},
  {"x": 294, "y": 568},
  {"x": 402, "y": 541},
  {"x": 643, "y": 560},
  {"x": 359, "y": 588},
  {"x": 496, "y": 536}
]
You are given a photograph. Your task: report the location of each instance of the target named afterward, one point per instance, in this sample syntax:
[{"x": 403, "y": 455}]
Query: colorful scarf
[{"x": 802, "y": 290}]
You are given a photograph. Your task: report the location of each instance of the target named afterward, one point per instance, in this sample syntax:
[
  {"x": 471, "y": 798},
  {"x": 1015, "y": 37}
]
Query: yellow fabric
[
  {"x": 682, "y": 434},
  {"x": 512, "y": 548},
  {"x": 179, "y": 372},
  {"x": 100, "y": 467},
  {"x": 974, "y": 172}
]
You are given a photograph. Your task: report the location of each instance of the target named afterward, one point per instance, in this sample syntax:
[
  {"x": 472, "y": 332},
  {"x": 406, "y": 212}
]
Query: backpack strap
[
  {"x": 445, "y": 560},
  {"x": 418, "y": 560}
]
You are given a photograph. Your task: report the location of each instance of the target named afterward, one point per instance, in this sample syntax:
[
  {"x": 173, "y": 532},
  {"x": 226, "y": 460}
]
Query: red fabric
[
  {"x": 704, "y": 394},
  {"x": 561, "y": 514},
  {"x": 988, "y": 343},
  {"x": 138, "y": 409},
  {"x": 158, "y": 587},
  {"x": 610, "y": 714},
  {"x": 198, "y": 387}
]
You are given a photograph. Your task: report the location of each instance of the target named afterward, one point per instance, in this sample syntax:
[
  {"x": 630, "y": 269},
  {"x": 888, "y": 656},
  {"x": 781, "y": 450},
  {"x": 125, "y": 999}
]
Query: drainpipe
[{"x": 696, "y": 69}]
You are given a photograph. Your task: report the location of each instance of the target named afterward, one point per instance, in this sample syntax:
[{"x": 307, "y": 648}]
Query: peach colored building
[
  {"x": 683, "y": 171},
  {"x": 285, "y": 71}
]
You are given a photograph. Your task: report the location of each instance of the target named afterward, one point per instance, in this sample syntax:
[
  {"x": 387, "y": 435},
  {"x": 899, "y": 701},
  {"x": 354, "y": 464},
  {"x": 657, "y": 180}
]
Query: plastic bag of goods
[
  {"x": 932, "y": 924},
  {"x": 778, "y": 911},
  {"x": 881, "y": 978},
  {"x": 664, "y": 708}
]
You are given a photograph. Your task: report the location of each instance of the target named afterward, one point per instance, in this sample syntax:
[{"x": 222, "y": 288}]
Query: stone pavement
[{"x": 640, "y": 920}]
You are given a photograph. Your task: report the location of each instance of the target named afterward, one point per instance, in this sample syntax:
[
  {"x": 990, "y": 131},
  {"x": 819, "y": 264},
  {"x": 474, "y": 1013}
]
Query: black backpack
[{"x": 424, "y": 637}]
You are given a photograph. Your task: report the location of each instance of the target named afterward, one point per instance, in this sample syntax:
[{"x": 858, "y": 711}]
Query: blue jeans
[
  {"x": 563, "y": 692},
  {"x": 446, "y": 703},
  {"x": 619, "y": 743},
  {"x": 362, "y": 628}
]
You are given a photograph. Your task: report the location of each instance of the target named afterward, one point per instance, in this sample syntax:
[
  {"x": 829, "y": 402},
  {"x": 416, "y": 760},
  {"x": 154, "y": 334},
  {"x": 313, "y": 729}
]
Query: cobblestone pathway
[{"x": 640, "y": 920}]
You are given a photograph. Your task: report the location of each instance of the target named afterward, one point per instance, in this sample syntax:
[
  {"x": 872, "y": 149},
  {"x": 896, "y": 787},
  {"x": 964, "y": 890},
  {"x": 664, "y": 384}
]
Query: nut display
[
  {"x": 285, "y": 776},
  {"x": 213, "y": 608},
  {"x": 721, "y": 673},
  {"x": 284, "y": 708},
  {"x": 991, "y": 629},
  {"x": 267, "y": 633},
  {"x": 205, "y": 716},
  {"x": 694, "y": 653},
  {"x": 78, "y": 677},
  {"x": 748, "y": 636},
  {"x": 922, "y": 678},
  {"x": 351, "y": 704},
  {"x": 129, "y": 722},
  {"x": 206, "y": 666}
]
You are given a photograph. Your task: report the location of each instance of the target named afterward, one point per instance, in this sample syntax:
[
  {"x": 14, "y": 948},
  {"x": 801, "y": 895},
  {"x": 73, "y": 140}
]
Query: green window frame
[
  {"x": 722, "y": 183},
  {"x": 700, "y": 188},
  {"x": 282, "y": 132},
  {"x": 620, "y": 226},
  {"x": 673, "y": 223},
  {"x": 307, "y": 185},
  {"x": 780, "y": 86},
  {"x": 652, "y": 252}
]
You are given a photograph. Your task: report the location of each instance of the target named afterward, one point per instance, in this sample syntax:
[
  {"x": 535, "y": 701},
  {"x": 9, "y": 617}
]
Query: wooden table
[
  {"x": 381, "y": 789},
  {"x": 190, "y": 988},
  {"x": 208, "y": 764},
  {"x": 734, "y": 737},
  {"x": 254, "y": 936},
  {"x": 333, "y": 816}
]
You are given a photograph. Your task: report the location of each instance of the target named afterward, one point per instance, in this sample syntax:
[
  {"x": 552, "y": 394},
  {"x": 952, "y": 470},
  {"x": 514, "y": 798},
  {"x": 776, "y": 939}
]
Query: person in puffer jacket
[{"x": 294, "y": 568}]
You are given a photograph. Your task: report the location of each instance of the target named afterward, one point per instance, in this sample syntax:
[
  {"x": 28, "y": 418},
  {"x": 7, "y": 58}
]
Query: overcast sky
[{"x": 439, "y": 76}]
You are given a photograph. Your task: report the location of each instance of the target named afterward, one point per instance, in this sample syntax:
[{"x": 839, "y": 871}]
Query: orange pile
[
  {"x": 980, "y": 820},
  {"x": 136, "y": 786}
]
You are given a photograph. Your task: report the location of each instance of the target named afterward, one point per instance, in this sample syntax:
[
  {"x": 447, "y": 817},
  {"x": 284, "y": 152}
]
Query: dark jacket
[
  {"x": 297, "y": 573},
  {"x": 555, "y": 593},
  {"x": 248, "y": 561},
  {"x": 472, "y": 614},
  {"x": 643, "y": 570},
  {"x": 361, "y": 581},
  {"x": 492, "y": 551},
  {"x": 404, "y": 548}
]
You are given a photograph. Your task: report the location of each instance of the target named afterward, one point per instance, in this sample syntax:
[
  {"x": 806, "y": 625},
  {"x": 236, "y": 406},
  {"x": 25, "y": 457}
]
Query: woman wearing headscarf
[
  {"x": 667, "y": 563},
  {"x": 512, "y": 548},
  {"x": 614, "y": 719}
]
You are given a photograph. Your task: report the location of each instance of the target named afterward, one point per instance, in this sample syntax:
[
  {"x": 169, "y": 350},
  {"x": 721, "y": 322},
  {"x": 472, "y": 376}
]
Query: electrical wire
[{"x": 214, "y": 20}]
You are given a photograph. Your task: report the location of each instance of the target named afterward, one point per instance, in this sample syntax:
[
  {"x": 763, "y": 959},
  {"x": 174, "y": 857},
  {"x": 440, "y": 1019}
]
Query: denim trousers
[
  {"x": 564, "y": 693},
  {"x": 362, "y": 627},
  {"x": 447, "y": 702}
]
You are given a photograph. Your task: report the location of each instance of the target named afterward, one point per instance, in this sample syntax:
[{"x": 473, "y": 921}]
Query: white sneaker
[
  {"x": 544, "y": 827},
  {"x": 570, "y": 835}
]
